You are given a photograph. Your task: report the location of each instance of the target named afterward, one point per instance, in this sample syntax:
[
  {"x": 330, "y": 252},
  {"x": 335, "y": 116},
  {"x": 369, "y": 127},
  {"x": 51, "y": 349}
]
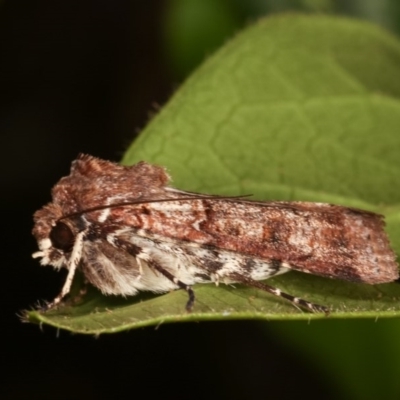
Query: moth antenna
[{"x": 135, "y": 202}]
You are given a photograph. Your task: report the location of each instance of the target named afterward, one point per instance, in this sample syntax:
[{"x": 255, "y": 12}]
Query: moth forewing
[
  {"x": 128, "y": 232},
  {"x": 322, "y": 239}
]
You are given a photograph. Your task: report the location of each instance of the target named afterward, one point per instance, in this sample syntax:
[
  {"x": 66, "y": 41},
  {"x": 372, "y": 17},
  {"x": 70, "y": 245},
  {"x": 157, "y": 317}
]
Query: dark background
[{"x": 85, "y": 76}]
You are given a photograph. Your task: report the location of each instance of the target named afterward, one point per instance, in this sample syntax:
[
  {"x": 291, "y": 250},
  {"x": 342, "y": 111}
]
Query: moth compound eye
[{"x": 61, "y": 237}]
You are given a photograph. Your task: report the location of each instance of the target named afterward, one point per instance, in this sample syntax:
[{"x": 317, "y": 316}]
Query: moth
[{"x": 127, "y": 230}]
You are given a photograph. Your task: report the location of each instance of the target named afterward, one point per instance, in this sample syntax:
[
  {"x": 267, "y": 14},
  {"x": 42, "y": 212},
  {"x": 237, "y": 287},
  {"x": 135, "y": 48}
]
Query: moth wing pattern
[{"x": 318, "y": 238}]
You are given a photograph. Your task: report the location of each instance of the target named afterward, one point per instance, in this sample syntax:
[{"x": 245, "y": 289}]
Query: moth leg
[
  {"x": 73, "y": 263},
  {"x": 277, "y": 292},
  {"x": 172, "y": 278},
  {"x": 140, "y": 265}
]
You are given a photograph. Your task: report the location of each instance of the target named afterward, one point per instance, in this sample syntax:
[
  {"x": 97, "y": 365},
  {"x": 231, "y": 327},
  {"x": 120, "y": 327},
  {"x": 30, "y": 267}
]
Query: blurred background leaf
[{"x": 193, "y": 29}]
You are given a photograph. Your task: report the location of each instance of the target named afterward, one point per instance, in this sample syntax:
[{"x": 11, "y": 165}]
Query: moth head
[
  {"x": 55, "y": 236},
  {"x": 92, "y": 184}
]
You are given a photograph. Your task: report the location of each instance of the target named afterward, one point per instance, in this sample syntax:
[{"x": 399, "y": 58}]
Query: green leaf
[
  {"x": 96, "y": 314},
  {"x": 293, "y": 108}
]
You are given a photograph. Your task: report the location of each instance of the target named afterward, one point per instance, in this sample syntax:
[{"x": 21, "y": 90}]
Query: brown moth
[{"x": 128, "y": 231}]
